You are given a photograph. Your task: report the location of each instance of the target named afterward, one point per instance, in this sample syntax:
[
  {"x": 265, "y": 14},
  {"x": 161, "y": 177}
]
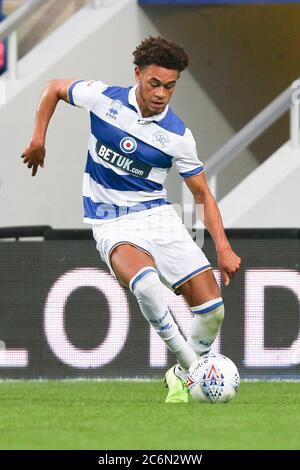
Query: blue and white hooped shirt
[{"x": 129, "y": 156}]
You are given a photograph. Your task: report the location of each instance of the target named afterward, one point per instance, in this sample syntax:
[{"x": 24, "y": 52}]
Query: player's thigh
[
  {"x": 200, "y": 289},
  {"x": 126, "y": 260}
]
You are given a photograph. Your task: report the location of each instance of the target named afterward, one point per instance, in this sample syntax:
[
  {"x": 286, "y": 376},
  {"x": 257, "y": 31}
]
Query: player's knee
[{"x": 145, "y": 285}]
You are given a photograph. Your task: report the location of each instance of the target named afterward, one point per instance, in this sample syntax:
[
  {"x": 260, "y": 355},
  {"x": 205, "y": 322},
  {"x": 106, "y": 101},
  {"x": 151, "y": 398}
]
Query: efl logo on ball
[{"x": 128, "y": 145}]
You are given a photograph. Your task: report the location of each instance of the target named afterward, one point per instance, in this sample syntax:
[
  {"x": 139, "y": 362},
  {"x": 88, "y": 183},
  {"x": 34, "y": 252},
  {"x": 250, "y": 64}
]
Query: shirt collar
[{"x": 133, "y": 102}]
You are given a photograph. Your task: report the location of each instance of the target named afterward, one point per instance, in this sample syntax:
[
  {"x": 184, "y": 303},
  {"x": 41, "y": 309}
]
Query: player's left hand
[
  {"x": 229, "y": 263},
  {"x": 34, "y": 156}
]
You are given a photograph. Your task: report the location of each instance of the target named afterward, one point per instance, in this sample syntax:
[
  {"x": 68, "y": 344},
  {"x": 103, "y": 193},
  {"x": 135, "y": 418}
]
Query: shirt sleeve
[
  {"x": 84, "y": 94},
  {"x": 188, "y": 163}
]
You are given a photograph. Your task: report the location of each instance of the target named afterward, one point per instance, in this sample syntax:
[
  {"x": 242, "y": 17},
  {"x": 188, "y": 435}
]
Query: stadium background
[{"x": 64, "y": 316}]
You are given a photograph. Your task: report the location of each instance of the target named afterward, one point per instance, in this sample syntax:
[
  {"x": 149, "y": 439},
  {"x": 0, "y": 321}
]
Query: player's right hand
[{"x": 34, "y": 156}]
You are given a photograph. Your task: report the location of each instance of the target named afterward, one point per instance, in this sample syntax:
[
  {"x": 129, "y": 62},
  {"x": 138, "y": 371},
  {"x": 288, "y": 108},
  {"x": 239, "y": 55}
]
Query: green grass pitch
[{"x": 132, "y": 415}]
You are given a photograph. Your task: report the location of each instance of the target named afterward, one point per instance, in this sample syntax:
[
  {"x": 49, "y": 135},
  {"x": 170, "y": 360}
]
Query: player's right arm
[{"x": 55, "y": 90}]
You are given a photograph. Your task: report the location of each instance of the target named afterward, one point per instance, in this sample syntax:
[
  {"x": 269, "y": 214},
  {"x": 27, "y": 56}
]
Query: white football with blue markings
[{"x": 213, "y": 378}]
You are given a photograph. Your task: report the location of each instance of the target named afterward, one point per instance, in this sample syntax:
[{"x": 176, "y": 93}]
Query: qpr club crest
[
  {"x": 160, "y": 139},
  {"x": 128, "y": 145}
]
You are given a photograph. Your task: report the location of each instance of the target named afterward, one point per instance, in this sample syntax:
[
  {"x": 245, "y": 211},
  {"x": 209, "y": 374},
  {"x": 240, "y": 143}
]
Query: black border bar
[{"x": 148, "y": 458}]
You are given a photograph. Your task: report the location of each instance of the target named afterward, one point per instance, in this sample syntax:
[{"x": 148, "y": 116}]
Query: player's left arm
[
  {"x": 55, "y": 90},
  {"x": 228, "y": 260}
]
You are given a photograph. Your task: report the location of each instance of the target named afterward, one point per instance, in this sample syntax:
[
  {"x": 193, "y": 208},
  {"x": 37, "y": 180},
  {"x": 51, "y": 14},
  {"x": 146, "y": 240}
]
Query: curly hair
[{"x": 159, "y": 51}]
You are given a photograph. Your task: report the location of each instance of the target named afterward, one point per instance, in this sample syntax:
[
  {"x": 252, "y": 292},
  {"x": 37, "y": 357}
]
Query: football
[{"x": 213, "y": 378}]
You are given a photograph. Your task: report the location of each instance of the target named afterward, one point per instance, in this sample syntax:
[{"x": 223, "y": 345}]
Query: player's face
[{"x": 155, "y": 86}]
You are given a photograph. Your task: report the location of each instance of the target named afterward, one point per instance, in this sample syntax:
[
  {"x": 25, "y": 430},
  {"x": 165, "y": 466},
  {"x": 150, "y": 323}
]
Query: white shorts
[{"x": 160, "y": 233}]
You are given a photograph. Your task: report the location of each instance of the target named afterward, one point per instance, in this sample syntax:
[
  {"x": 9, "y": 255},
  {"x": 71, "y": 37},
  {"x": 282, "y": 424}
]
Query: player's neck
[{"x": 144, "y": 111}]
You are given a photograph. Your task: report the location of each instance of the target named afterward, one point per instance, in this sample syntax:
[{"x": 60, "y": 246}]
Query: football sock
[
  {"x": 205, "y": 324},
  {"x": 147, "y": 288}
]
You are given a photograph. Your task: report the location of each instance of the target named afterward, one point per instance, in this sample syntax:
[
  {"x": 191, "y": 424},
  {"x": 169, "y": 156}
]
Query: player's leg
[
  {"x": 180, "y": 262},
  {"x": 188, "y": 272},
  {"x": 126, "y": 260},
  {"x": 203, "y": 296},
  {"x": 136, "y": 270}
]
